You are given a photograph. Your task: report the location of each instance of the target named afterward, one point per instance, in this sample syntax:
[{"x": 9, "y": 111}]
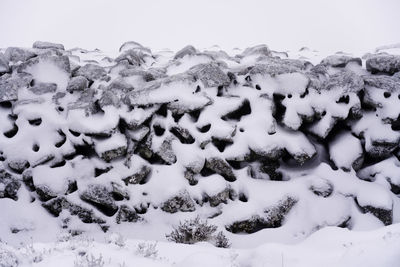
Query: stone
[
  {"x": 9, "y": 185},
  {"x": 44, "y": 192},
  {"x": 47, "y": 45},
  {"x": 138, "y": 177},
  {"x": 276, "y": 66},
  {"x": 210, "y": 75},
  {"x": 134, "y": 57},
  {"x": 261, "y": 50},
  {"x": 221, "y": 167},
  {"x": 18, "y": 165},
  {"x": 9, "y": 85},
  {"x": 99, "y": 196},
  {"x": 221, "y": 197},
  {"x": 182, "y": 134},
  {"x": 78, "y": 83},
  {"x": 61, "y": 62},
  {"x": 340, "y": 60},
  {"x": 17, "y": 54},
  {"x": 181, "y": 202},
  {"x": 389, "y": 64},
  {"x": 4, "y": 64},
  {"x": 384, "y": 215},
  {"x": 273, "y": 217},
  {"x": 348, "y": 81},
  {"x": 126, "y": 214},
  {"x": 39, "y": 88},
  {"x": 91, "y": 72},
  {"x": 166, "y": 152},
  {"x": 188, "y": 50}
]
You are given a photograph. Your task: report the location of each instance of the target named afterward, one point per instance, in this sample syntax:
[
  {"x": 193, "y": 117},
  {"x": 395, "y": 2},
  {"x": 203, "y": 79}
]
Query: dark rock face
[
  {"x": 99, "y": 196},
  {"x": 383, "y": 63},
  {"x": 9, "y": 185},
  {"x": 45, "y": 193},
  {"x": 384, "y": 215},
  {"x": 18, "y": 165},
  {"x": 182, "y": 202}
]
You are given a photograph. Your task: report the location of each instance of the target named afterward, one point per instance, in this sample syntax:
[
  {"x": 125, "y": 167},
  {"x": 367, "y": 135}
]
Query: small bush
[
  {"x": 196, "y": 230},
  {"x": 116, "y": 239},
  {"x": 147, "y": 250},
  {"x": 89, "y": 261}
]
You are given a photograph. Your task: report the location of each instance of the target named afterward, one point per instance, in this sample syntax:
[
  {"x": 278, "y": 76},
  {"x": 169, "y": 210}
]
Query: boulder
[
  {"x": 9, "y": 85},
  {"x": 340, "y": 60},
  {"x": 126, "y": 214},
  {"x": 181, "y": 202},
  {"x": 91, "y": 72},
  {"x": 210, "y": 75},
  {"x": 139, "y": 176},
  {"x": 4, "y": 64},
  {"x": 78, "y": 83},
  {"x": 39, "y": 88},
  {"x": 221, "y": 167},
  {"x": 99, "y": 196},
  {"x": 17, "y": 54},
  {"x": 188, "y": 50},
  {"x": 18, "y": 165},
  {"x": 383, "y": 63},
  {"x": 9, "y": 185}
]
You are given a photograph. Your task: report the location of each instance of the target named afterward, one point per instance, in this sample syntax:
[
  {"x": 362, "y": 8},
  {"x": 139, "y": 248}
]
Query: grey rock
[
  {"x": 127, "y": 214},
  {"x": 221, "y": 167},
  {"x": 99, "y": 196},
  {"x": 181, "y": 202},
  {"x": 61, "y": 62},
  {"x": 18, "y": 165},
  {"x": 187, "y": 50},
  {"x": 9, "y": 85},
  {"x": 210, "y": 75},
  {"x": 182, "y": 134},
  {"x": 273, "y": 217},
  {"x": 16, "y": 54},
  {"x": 118, "y": 192},
  {"x": 221, "y": 197},
  {"x": 324, "y": 189},
  {"x": 91, "y": 72},
  {"x": 134, "y": 57},
  {"x": 261, "y": 50},
  {"x": 109, "y": 98},
  {"x": 46, "y": 45},
  {"x": 112, "y": 154},
  {"x": 78, "y": 83},
  {"x": 43, "y": 88},
  {"x": 9, "y": 185},
  {"x": 348, "y": 81},
  {"x": 340, "y": 60},
  {"x": 138, "y": 177},
  {"x": 44, "y": 192},
  {"x": 166, "y": 153},
  {"x": 276, "y": 66},
  {"x": 4, "y": 64},
  {"x": 384, "y": 215},
  {"x": 384, "y": 63}
]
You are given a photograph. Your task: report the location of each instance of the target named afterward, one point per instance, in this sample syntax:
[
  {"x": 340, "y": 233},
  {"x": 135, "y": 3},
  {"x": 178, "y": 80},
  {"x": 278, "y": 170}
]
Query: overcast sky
[{"x": 347, "y": 25}]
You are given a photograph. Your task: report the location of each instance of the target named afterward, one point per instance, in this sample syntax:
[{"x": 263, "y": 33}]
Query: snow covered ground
[{"x": 293, "y": 156}]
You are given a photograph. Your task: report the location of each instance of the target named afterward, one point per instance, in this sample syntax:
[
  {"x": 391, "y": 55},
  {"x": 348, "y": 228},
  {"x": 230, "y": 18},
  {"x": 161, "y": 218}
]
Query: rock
[
  {"x": 340, "y": 60},
  {"x": 27, "y": 178},
  {"x": 47, "y": 45},
  {"x": 181, "y": 202},
  {"x": 43, "y": 88},
  {"x": 62, "y": 62},
  {"x": 384, "y": 63},
  {"x": 78, "y": 83},
  {"x": 166, "y": 153},
  {"x": 134, "y": 57},
  {"x": 261, "y": 50},
  {"x": 132, "y": 45},
  {"x": 16, "y": 54},
  {"x": 18, "y": 165},
  {"x": 111, "y": 148},
  {"x": 9, "y": 85},
  {"x": 109, "y": 98},
  {"x": 384, "y": 215},
  {"x": 273, "y": 218},
  {"x": 210, "y": 75},
  {"x": 45, "y": 193},
  {"x": 221, "y": 167},
  {"x": 182, "y": 134},
  {"x": 91, "y": 72},
  {"x": 57, "y": 205},
  {"x": 221, "y": 197},
  {"x": 4, "y": 65},
  {"x": 9, "y": 185},
  {"x": 126, "y": 214},
  {"x": 188, "y": 50},
  {"x": 321, "y": 187},
  {"x": 138, "y": 177},
  {"x": 276, "y": 66},
  {"x": 347, "y": 81},
  {"x": 99, "y": 196},
  {"x": 118, "y": 192}
]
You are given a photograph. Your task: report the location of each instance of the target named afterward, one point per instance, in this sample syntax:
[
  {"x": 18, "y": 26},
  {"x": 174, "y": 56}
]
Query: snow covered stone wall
[{"x": 265, "y": 145}]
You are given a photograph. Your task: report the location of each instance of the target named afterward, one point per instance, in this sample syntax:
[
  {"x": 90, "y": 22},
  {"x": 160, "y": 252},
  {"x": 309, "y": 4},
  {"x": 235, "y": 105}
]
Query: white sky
[{"x": 347, "y": 25}]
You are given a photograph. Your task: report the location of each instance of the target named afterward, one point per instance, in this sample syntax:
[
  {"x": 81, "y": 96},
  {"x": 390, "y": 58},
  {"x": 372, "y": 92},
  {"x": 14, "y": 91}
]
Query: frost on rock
[{"x": 260, "y": 142}]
